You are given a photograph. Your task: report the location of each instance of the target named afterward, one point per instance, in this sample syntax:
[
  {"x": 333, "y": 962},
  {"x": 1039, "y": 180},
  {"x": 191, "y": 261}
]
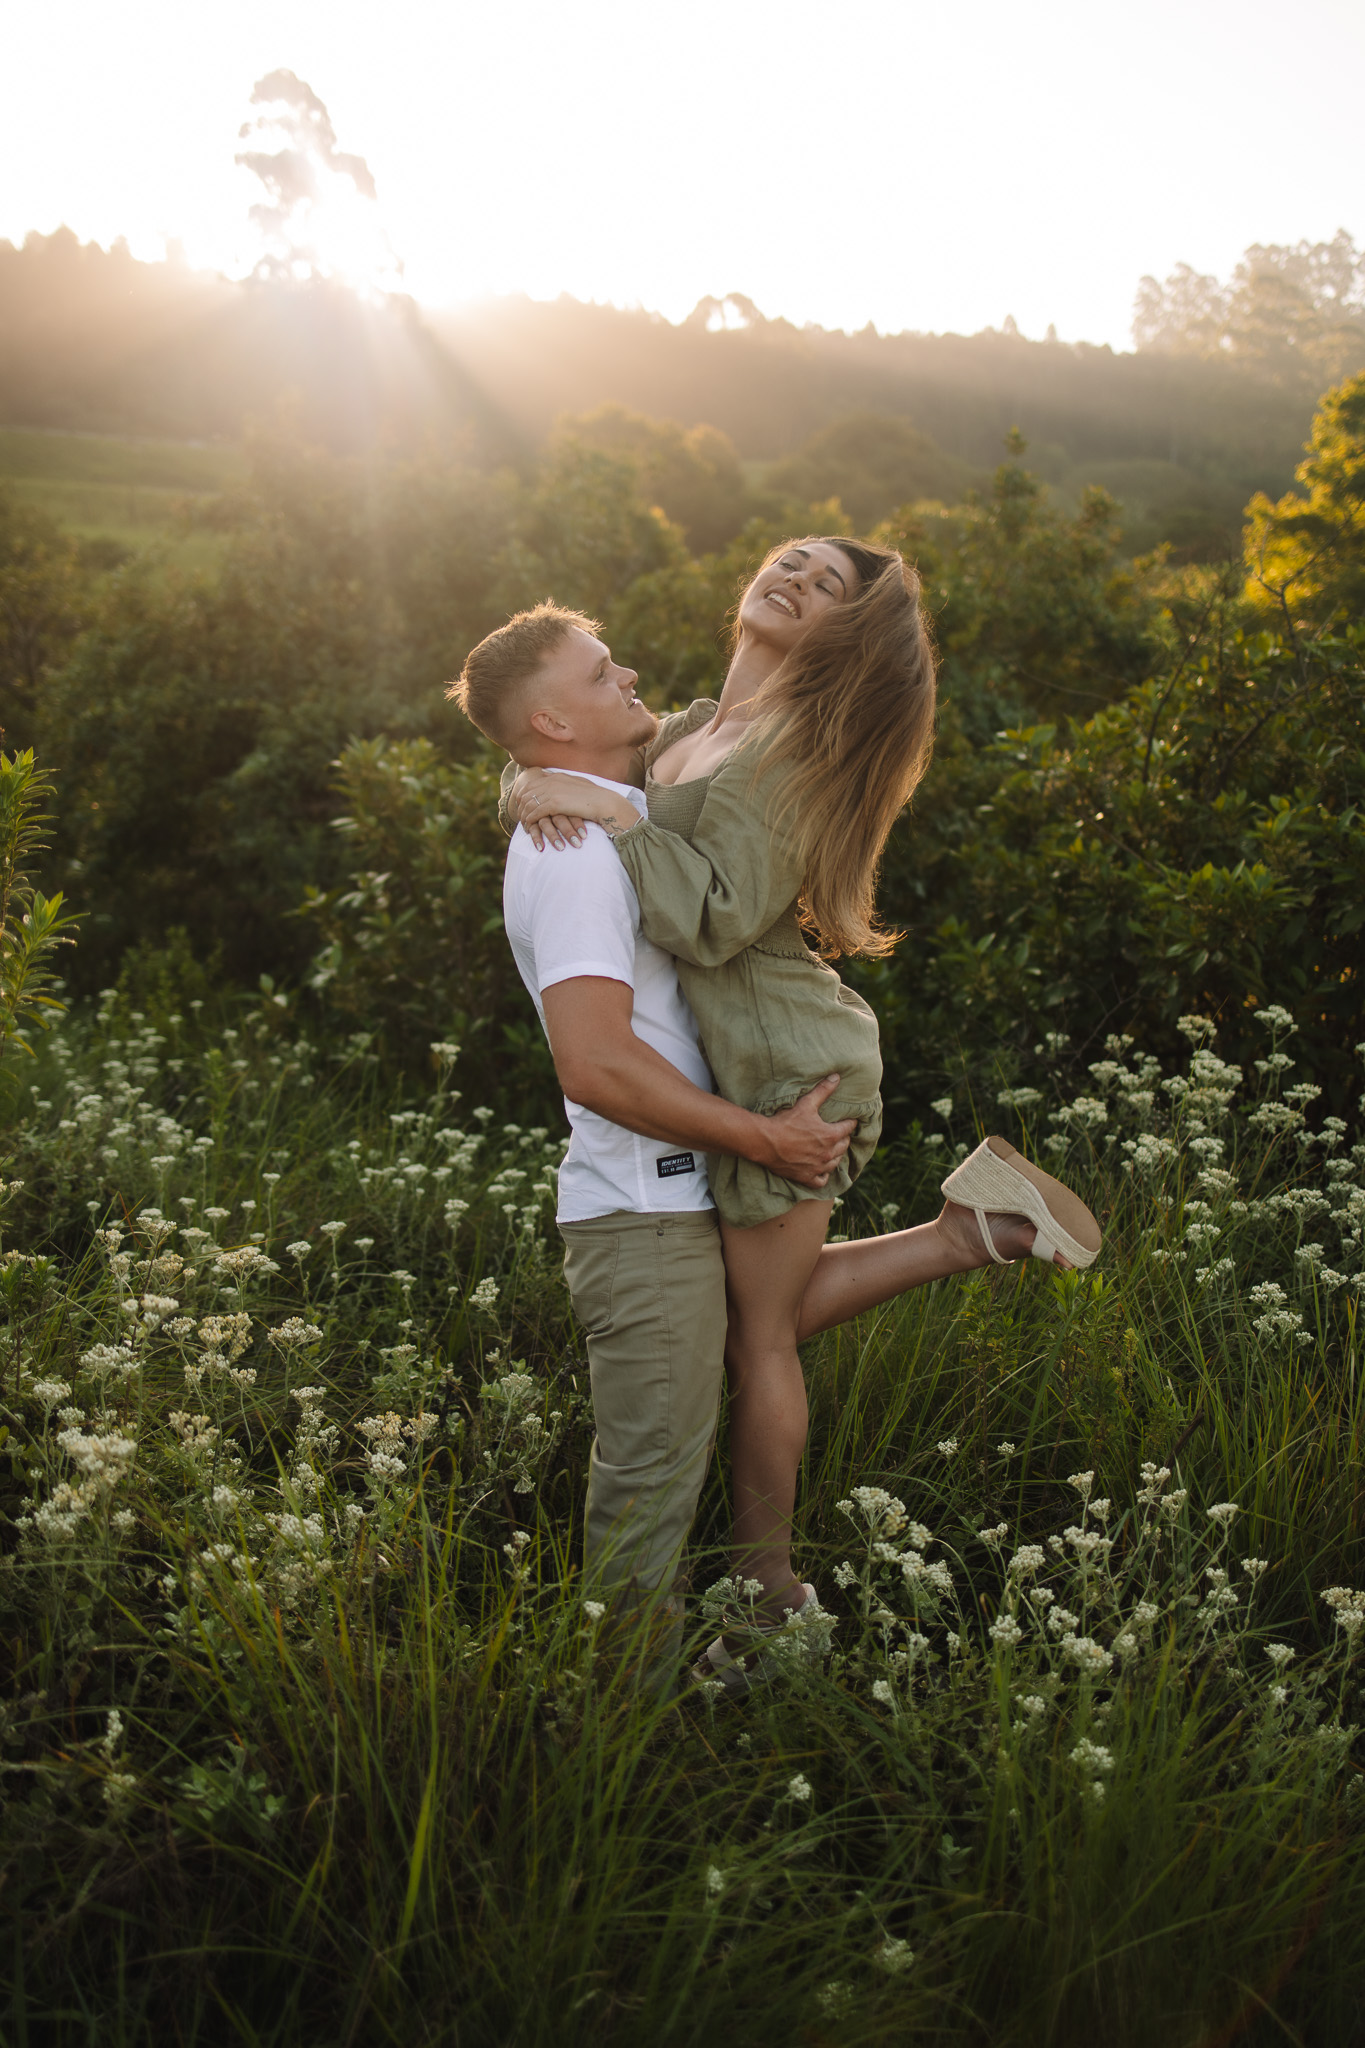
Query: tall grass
[{"x": 311, "y": 1736}]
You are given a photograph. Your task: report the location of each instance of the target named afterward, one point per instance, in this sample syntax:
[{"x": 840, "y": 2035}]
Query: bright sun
[{"x": 320, "y": 214}]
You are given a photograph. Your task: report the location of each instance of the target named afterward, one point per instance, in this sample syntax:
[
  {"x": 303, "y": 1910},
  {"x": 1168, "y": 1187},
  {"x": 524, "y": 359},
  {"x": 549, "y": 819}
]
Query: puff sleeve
[{"x": 707, "y": 899}]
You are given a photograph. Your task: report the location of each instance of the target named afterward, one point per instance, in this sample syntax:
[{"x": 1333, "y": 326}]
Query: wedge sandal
[
  {"x": 998, "y": 1179},
  {"x": 739, "y": 1673}
]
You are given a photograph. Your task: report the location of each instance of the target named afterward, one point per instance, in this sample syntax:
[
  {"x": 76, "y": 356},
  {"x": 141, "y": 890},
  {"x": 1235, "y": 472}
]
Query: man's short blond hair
[{"x": 491, "y": 688}]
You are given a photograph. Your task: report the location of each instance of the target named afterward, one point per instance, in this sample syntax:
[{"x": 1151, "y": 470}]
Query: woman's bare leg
[
  {"x": 784, "y": 1284},
  {"x": 767, "y": 1271},
  {"x": 849, "y": 1278}
]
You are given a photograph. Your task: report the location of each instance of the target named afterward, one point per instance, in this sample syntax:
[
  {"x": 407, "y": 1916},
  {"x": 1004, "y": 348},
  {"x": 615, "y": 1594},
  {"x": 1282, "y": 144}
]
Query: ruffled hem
[{"x": 747, "y": 1194}]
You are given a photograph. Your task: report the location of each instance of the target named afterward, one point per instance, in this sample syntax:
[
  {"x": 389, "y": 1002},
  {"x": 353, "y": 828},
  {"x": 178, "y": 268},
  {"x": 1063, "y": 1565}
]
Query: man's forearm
[{"x": 636, "y": 1087}]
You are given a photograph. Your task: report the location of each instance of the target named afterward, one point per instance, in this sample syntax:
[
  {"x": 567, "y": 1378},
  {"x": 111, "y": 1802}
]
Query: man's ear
[{"x": 550, "y": 726}]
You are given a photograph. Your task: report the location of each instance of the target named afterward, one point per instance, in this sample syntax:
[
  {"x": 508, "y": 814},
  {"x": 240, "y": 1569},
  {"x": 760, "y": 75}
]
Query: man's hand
[
  {"x": 603, "y": 1065},
  {"x": 805, "y": 1148}
]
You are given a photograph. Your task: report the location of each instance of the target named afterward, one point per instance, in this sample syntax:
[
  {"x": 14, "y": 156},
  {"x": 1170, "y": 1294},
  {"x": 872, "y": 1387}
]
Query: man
[{"x": 642, "y": 1247}]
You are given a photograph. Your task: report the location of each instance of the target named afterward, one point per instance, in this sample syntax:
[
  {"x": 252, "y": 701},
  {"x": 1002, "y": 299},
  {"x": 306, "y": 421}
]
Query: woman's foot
[
  {"x": 1002, "y": 1188},
  {"x": 1012, "y": 1236},
  {"x": 742, "y": 1656}
]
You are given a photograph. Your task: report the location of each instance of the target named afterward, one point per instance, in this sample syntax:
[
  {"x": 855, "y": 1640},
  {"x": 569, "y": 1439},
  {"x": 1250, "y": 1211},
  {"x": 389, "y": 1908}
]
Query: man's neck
[{"x": 614, "y": 764}]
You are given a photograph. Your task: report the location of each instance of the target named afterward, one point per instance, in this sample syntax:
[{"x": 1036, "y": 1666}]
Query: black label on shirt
[{"x": 676, "y": 1162}]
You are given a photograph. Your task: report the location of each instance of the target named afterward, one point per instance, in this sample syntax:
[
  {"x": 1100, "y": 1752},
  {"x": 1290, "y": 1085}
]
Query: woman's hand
[{"x": 551, "y": 804}]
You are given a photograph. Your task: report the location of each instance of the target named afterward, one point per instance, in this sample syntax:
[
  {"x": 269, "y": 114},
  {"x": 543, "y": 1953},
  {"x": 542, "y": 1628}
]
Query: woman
[{"x": 768, "y": 813}]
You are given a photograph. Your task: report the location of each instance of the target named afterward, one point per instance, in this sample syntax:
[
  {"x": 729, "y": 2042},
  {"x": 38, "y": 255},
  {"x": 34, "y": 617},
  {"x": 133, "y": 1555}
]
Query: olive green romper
[{"x": 718, "y": 889}]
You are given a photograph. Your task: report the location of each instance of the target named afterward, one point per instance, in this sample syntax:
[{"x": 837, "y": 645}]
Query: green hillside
[{"x": 110, "y": 489}]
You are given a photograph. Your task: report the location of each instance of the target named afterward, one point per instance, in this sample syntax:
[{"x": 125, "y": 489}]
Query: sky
[{"x": 928, "y": 167}]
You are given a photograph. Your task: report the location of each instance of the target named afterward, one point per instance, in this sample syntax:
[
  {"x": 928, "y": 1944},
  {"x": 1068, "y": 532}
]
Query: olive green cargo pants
[{"x": 649, "y": 1290}]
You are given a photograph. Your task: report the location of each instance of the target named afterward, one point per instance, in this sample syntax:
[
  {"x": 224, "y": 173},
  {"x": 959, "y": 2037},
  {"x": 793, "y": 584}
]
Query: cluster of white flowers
[
  {"x": 103, "y": 1457},
  {"x": 1348, "y": 1611}
]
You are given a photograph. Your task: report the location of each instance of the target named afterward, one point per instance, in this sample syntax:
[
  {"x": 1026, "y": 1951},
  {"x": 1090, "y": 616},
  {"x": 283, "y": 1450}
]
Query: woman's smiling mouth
[{"x": 779, "y": 597}]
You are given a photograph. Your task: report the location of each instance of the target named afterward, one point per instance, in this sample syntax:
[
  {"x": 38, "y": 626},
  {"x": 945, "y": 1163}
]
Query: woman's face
[{"x": 785, "y": 598}]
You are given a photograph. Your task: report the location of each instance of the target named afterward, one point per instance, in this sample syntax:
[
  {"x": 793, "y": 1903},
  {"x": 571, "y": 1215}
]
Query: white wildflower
[
  {"x": 1027, "y": 1559},
  {"x": 294, "y": 1334},
  {"x": 1088, "y": 1655}
]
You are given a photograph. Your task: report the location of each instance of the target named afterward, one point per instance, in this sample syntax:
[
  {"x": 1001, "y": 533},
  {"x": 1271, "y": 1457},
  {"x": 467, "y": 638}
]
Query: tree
[
  {"x": 872, "y": 463},
  {"x": 1035, "y": 613},
  {"x": 318, "y": 218},
  {"x": 693, "y": 474},
  {"x": 1306, "y": 556},
  {"x": 1293, "y": 311}
]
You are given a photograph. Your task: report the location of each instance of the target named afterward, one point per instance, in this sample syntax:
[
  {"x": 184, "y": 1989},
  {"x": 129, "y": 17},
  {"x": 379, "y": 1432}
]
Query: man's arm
[{"x": 602, "y": 1064}]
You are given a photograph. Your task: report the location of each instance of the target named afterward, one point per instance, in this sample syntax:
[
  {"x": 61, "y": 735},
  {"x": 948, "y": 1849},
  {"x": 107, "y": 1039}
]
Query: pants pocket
[{"x": 590, "y": 1275}]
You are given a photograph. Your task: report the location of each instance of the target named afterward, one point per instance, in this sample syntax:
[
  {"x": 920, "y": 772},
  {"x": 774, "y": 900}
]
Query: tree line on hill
[{"x": 1212, "y": 406}]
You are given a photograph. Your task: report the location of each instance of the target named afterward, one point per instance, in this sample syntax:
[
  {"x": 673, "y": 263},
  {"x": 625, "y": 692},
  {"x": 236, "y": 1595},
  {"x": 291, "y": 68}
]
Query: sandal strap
[{"x": 989, "y": 1241}]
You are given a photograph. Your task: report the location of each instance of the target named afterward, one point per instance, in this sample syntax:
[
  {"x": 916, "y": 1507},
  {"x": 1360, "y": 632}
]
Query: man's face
[{"x": 593, "y": 696}]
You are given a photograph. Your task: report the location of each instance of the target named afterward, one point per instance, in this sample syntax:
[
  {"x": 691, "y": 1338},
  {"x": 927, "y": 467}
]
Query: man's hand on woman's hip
[{"x": 806, "y": 1149}]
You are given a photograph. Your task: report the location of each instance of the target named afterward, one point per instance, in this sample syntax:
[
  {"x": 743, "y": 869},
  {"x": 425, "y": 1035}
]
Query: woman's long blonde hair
[{"x": 851, "y": 709}]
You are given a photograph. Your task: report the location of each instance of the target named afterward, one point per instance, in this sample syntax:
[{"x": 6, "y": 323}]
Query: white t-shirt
[{"x": 575, "y": 913}]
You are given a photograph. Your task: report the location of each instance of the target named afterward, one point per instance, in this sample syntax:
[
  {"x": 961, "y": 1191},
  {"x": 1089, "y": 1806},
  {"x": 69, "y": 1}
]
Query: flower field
[{"x": 310, "y": 1734}]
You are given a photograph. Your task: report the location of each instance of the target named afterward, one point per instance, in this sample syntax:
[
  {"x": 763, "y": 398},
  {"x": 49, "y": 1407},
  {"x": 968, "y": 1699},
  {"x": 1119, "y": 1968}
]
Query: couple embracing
[{"x": 721, "y": 1083}]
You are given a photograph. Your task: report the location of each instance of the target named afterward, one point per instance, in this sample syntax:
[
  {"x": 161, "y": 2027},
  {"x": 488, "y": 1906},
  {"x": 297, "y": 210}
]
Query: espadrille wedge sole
[{"x": 997, "y": 1178}]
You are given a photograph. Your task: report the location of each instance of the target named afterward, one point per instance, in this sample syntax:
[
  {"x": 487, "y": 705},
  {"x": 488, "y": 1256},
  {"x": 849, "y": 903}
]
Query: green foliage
[
  {"x": 693, "y": 474},
  {"x": 872, "y": 463},
  {"x": 1031, "y": 608},
  {"x": 413, "y": 943},
  {"x": 32, "y": 926},
  {"x": 196, "y": 724},
  {"x": 43, "y": 604},
  {"x": 583, "y": 533},
  {"x": 1199, "y": 843},
  {"x": 1306, "y": 556}
]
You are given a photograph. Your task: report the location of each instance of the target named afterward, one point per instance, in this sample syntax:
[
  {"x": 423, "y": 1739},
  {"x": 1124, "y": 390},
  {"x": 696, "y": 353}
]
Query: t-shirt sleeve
[{"x": 582, "y": 913}]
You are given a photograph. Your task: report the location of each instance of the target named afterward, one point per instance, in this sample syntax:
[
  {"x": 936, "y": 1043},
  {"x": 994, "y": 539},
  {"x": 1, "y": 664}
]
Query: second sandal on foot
[
  {"x": 998, "y": 1178},
  {"x": 769, "y": 1650}
]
